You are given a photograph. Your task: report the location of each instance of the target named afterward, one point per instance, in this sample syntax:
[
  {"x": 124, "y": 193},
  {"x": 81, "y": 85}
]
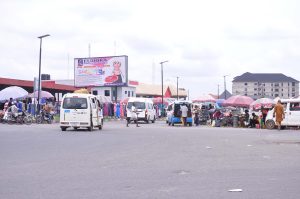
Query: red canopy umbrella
[
  {"x": 238, "y": 101},
  {"x": 262, "y": 103},
  {"x": 205, "y": 98}
]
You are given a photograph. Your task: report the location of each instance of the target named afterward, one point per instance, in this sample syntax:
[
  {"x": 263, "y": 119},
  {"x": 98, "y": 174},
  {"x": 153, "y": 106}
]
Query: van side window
[{"x": 294, "y": 106}]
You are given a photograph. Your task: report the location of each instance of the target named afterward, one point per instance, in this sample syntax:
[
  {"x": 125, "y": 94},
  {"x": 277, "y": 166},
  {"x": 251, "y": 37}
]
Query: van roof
[
  {"x": 78, "y": 94},
  {"x": 290, "y": 100}
]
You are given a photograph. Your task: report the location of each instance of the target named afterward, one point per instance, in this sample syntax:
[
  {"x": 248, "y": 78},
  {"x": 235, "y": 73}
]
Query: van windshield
[
  {"x": 137, "y": 105},
  {"x": 75, "y": 103}
]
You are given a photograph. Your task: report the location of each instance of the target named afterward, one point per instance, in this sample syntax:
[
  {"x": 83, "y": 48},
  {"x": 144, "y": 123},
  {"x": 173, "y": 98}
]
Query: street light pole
[
  {"x": 177, "y": 87},
  {"x": 40, "y": 63},
  {"x": 162, "y": 86}
]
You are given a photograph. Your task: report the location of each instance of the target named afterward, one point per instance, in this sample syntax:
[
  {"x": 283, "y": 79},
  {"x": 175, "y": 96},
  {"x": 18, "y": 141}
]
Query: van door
[
  {"x": 294, "y": 114},
  {"x": 286, "y": 120},
  {"x": 94, "y": 110},
  {"x": 75, "y": 109}
]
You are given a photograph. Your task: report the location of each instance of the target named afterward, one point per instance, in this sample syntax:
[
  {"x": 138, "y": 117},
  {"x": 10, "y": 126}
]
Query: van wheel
[
  {"x": 169, "y": 123},
  {"x": 270, "y": 124},
  {"x": 75, "y": 128},
  {"x": 63, "y": 128},
  {"x": 172, "y": 123}
]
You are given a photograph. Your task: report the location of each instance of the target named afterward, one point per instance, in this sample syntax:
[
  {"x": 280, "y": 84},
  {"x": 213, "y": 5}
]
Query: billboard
[{"x": 101, "y": 71}]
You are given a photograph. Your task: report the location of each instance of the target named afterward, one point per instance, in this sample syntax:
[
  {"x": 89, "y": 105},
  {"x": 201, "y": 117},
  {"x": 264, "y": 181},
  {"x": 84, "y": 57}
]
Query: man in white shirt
[
  {"x": 134, "y": 116},
  {"x": 184, "y": 112}
]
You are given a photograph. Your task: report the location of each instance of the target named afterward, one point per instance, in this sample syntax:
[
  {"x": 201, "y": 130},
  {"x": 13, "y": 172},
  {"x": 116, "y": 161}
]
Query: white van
[
  {"x": 291, "y": 111},
  {"x": 144, "y": 107},
  {"x": 80, "y": 110}
]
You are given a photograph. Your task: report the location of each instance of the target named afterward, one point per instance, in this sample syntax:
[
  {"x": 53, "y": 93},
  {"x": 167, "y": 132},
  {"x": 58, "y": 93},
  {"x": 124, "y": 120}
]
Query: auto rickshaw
[{"x": 174, "y": 113}]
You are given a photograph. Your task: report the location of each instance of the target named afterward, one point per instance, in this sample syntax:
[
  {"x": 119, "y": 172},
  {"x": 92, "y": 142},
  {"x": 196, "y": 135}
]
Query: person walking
[
  {"x": 134, "y": 116},
  {"x": 184, "y": 111},
  {"x": 196, "y": 113},
  {"x": 278, "y": 113}
]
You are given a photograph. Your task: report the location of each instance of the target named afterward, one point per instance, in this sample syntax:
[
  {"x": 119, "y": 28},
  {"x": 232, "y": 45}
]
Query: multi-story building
[{"x": 271, "y": 85}]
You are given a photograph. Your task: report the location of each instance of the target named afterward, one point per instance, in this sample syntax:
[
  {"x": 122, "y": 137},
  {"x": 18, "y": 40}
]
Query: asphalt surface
[{"x": 152, "y": 161}]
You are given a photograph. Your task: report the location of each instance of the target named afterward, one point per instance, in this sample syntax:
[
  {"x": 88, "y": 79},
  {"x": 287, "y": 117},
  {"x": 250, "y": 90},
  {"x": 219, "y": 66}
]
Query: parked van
[
  {"x": 291, "y": 111},
  {"x": 144, "y": 107},
  {"x": 80, "y": 110}
]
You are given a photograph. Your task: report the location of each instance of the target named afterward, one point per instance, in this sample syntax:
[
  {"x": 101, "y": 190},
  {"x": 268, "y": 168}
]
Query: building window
[
  {"x": 271, "y": 84},
  {"x": 132, "y": 94},
  {"x": 276, "y": 95},
  {"x": 293, "y": 83},
  {"x": 281, "y": 84},
  {"x": 245, "y": 94},
  {"x": 281, "y": 94},
  {"x": 293, "y": 95},
  {"x": 246, "y": 84},
  {"x": 255, "y": 84},
  {"x": 276, "y": 90},
  {"x": 288, "y": 84},
  {"x": 125, "y": 92},
  {"x": 245, "y": 89},
  {"x": 255, "y": 89},
  {"x": 107, "y": 93},
  {"x": 95, "y": 92},
  {"x": 276, "y": 84}
]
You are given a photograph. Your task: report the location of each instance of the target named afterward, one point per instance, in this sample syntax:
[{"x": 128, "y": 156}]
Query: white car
[{"x": 291, "y": 111}]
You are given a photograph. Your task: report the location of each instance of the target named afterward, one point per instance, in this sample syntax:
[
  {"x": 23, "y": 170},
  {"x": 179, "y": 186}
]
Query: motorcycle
[{"x": 44, "y": 117}]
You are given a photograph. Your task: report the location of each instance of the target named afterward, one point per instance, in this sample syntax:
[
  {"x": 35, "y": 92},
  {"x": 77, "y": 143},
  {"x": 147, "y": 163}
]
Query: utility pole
[
  {"x": 177, "y": 88},
  {"x": 162, "y": 87},
  {"x": 225, "y": 86}
]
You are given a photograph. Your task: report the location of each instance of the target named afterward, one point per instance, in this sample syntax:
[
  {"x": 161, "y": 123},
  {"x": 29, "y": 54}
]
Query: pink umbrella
[
  {"x": 262, "y": 103},
  {"x": 158, "y": 100},
  {"x": 205, "y": 98},
  {"x": 238, "y": 101},
  {"x": 43, "y": 94},
  {"x": 124, "y": 101}
]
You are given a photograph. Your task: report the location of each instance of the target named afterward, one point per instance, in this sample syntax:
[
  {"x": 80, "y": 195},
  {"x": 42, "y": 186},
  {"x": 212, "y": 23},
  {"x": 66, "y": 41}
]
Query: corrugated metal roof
[{"x": 263, "y": 77}]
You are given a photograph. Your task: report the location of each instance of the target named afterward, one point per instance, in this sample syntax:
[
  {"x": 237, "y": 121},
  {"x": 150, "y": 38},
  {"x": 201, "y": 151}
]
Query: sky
[{"x": 202, "y": 40}]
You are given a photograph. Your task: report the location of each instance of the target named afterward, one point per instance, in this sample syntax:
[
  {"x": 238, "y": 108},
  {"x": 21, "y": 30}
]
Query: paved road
[{"x": 153, "y": 161}]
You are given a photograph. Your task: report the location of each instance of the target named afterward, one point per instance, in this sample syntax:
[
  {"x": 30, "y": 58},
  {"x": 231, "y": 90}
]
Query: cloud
[{"x": 145, "y": 45}]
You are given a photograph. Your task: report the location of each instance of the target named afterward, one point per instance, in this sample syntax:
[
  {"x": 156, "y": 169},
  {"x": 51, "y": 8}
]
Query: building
[
  {"x": 116, "y": 93},
  {"x": 270, "y": 85},
  {"x": 153, "y": 90}
]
